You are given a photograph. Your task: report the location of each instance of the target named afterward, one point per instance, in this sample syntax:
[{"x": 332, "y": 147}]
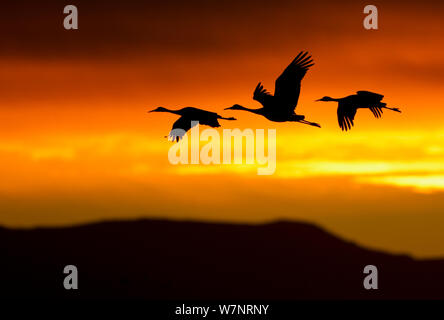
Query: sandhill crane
[
  {"x": 348, "y": 106},
  {"x": 189, "y": 118},
  {"x": 280, "y": 107}
]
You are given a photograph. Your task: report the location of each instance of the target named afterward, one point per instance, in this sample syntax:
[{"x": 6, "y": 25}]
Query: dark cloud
[
  {"x": 118, "y": 29},
  {"x": 112, "y": 28}
]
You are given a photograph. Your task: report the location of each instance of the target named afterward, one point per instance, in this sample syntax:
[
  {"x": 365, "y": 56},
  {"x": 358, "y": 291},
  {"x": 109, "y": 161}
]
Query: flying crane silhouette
[
  {"x": 280, "y": 107},
  {"x": 189, "y": 118},
  {"x": 348, "y": 106}
]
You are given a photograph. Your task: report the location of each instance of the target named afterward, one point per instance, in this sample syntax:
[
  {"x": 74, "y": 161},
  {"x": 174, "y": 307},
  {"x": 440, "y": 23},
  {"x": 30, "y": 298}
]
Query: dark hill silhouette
[{"x": 158, "y": 259}]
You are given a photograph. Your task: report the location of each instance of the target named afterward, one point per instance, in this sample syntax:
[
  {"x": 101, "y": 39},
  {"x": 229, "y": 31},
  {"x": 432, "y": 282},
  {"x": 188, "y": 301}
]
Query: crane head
[
  {"x": 235, "y": 107},
  {"x": 159, "y": 109},
  {"x": 326, "y": 98}
]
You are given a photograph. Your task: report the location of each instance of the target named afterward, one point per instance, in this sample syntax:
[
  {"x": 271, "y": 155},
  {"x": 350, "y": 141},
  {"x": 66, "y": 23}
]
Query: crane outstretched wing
[
  {"x": 288, "y": 85},
  {"x": 180, "y": 127},
  {"x": 346, "y": 115}
]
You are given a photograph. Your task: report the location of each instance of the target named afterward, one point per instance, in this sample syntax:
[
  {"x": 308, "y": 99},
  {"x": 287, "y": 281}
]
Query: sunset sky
[{"x": 77, "y": 144}]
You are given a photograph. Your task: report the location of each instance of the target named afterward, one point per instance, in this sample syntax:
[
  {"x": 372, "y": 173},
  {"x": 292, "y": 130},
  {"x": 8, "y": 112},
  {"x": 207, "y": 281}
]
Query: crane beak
[
  {"x": 151, "y": 111},
  {"x": 318, "y": 100}
]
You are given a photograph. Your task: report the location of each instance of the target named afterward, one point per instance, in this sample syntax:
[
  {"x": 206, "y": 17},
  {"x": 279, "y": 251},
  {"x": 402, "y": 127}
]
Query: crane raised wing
[
  {"x": 263, "y": 96},
  {"x": 370, "y": 96},
  {"x": 372, "y": 101},
  {"x": 288, "y": 84}
]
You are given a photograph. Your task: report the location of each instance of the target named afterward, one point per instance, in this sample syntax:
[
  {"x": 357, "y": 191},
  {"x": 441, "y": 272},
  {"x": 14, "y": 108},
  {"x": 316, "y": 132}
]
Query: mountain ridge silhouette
[{"x": 163, "y": 259}]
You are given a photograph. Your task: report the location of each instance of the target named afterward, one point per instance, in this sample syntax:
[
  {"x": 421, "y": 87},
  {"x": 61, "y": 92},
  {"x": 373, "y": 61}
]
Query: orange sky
[{"x": 76, "y": 143}]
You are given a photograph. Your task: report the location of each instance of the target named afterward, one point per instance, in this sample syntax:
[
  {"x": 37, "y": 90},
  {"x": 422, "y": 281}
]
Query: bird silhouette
[
  {"x": 189, "y": 118},
  {"x": 280, "y": 107},
  {"x": 348, "y": 106}
]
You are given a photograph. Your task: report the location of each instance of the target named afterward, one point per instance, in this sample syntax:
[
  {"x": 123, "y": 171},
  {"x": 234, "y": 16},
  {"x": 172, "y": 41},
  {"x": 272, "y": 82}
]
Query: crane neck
[
  {"x": 172, "y": 111},
  {"x": 256, "y": 111}
]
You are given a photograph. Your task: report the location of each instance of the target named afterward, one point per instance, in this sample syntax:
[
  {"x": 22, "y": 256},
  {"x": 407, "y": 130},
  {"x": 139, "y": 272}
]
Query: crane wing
[
  {"x": 346, "y": 115},
  {"x": 180, "y": 127},
  {"x": 372, "y": 101},
  {"x": 376, "y": 110},
  {"x": 370, "y": 96},
  {"x": 288, "y": 85},
  {"x": 262, "y": 95}
]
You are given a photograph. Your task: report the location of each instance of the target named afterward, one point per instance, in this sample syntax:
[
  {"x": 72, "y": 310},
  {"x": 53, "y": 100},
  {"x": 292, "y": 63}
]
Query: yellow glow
[
  {"x": 420, "y": 183},
  {"x": 131, "y": 154},
  {"x": 315, "y": 168}
]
